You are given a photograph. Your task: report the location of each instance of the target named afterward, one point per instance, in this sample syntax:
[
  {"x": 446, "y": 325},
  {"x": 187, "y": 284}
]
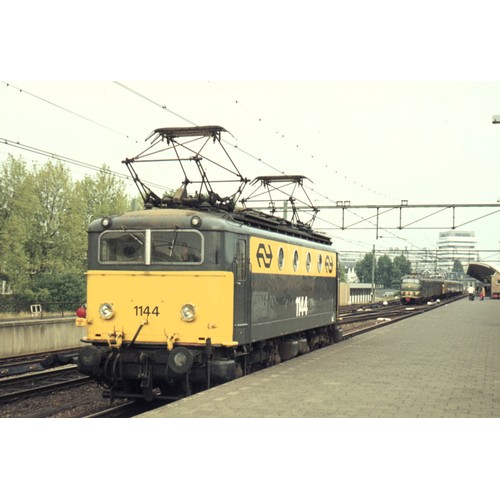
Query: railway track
[
  {"x": 25, "y": 385},
  {"x": 18, "y": 365},
  {"x": 62, "y": 392},
  {"x": 368, "y": 318}
]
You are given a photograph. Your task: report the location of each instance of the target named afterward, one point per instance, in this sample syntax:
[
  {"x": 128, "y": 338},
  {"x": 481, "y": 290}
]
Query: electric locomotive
[
  {"x": 193, "y": 291},
  {"x": 417, "y": 289}
]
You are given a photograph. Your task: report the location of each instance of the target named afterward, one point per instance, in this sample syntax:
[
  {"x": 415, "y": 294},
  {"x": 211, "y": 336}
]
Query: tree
[
  {"x": 363, "y": 268},
  {"x": 104, "y": 195},
  {"x": 56, "y": 239},
  {"x": 60, "y": 289},
  {"x": 18, "y": 208},
  {"x": 384, "y": 272},
  {"x": 387, "y": 272},
  {"x": 401, "y": 266},
  {"x": 342, "y": 274},
  {"x": 44, "y": 217},
  {"x": 457, "y": 267}
]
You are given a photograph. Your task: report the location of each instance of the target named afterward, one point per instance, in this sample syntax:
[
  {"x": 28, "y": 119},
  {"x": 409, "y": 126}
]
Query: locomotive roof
[
  {"x": 212, "y": 219},
  {"x": 254, "y": 218}
]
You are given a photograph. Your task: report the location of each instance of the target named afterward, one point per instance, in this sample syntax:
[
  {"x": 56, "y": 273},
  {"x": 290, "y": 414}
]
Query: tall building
[{"x": 456, "y": 245}]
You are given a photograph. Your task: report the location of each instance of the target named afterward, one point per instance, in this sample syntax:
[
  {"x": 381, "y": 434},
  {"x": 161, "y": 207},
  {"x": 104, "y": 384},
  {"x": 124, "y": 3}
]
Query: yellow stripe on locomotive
[{"x": 276, "y": 257}]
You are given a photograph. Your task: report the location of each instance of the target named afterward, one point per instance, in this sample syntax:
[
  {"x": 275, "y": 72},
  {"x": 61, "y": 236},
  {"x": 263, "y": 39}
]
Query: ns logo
[
  {"x": 329, "y": 264},
  {"x": 264, "y": 256}
]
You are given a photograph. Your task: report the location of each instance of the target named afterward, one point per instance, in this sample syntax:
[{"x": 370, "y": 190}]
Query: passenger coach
[{"x": 416, "y": 289}]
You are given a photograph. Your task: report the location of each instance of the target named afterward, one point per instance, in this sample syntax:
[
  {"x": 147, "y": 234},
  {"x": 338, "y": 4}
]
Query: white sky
[
  {"x": 374, "y": 102},
  {"x": 366, "y": 142}
]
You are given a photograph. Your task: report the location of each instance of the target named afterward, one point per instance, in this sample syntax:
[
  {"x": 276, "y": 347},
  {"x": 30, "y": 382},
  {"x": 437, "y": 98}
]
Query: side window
[
  {"x": 241, "y": 257},
  {"x": 281, "y": 258},
  {"x": 295, "y": 260},
  {"x": 308, "y": 262}
]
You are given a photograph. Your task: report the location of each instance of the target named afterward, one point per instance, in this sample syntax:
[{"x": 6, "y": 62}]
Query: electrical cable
[
  {"x": 68, "y": 110},
  {"x": 78, "y": 163},
  {"x": 164, "y": 107}
]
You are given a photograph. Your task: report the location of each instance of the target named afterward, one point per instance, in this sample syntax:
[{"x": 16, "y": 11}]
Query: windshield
[
  {"x": 175, "y": 246},
  {"x": 120, "y": 246},
  {"x": 410, "y": 284},
  {"x": 151, "y": 247}
]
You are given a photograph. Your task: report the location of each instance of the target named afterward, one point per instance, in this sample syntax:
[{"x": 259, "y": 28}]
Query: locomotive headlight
[
  {"x": 106, "y": 222},
  {"x": 106, "y": 311},
  {"x": 188, "y": 312},
  {"x": 195, "y": 221}
]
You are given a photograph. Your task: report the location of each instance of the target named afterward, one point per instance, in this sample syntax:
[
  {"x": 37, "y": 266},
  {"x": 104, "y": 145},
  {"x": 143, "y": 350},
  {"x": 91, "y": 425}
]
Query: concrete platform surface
[{"x": 443, "y": 363}]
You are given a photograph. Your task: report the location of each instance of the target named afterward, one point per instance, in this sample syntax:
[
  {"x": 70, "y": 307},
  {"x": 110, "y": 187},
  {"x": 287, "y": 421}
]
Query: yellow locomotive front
[{"x": 157, "y": 303}]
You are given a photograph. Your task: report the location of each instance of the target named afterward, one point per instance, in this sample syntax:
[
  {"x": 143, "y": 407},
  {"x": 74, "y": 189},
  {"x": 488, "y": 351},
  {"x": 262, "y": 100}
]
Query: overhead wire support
[
  {"x": 426, "y": 217},
  {"x": 345, "y": 206}
]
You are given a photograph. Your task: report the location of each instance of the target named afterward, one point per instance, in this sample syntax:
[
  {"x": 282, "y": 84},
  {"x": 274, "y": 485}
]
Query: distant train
[{"x": 416, "y": 289}]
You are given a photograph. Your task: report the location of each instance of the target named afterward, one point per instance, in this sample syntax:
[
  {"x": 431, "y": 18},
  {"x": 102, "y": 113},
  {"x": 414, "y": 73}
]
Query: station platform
[{"x": 441, "y": 364}]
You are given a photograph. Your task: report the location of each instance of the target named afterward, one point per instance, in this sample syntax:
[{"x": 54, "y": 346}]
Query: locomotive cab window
[
  {"x": 410, "y": 284},
  {"x": 151, "y": 247},
  {"x": 176, "y": 246},
  {"x": 121, "y": 246}
]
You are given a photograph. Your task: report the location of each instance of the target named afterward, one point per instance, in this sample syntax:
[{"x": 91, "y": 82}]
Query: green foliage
[
  {"x": 384, "y": 271},
  {"x": 104, "y": 195},
  {"x": 44, "y": 217},
  {"x": 17, "y": 213},
  {"x": 401, "y": 266},
  {"x": 387, "y": 272},
  {"x": 55, "y": 289},
  {"x": 342, "y": 274},
  {"x": 56, "y": 235},
  {"x": 363, "y": 268},
  {"x": 457, "y": 267}
]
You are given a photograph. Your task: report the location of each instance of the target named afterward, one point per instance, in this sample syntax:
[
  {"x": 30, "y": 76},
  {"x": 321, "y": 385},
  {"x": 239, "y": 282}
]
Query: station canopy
[{"x": 481, "y": 272}]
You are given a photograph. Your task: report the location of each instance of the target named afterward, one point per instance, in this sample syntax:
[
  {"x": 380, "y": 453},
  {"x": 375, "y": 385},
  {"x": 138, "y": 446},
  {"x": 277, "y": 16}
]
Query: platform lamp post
[
  {"x": 373, "y": 275},
  {"x": 496, "y": 120}
]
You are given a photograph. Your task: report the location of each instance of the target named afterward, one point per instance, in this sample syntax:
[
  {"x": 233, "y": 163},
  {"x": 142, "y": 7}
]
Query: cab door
[{"x": 241, "y": 290}]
